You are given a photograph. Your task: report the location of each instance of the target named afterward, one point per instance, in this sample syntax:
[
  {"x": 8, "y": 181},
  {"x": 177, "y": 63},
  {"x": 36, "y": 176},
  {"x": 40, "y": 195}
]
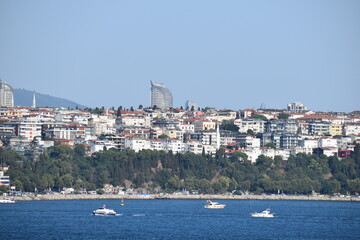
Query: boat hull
[
  {"x": 101, "y": 213},
  {"x": 6, "y": 201},
  {"x": 262, "y": 216},
  {"x": 215, "y": 207}
]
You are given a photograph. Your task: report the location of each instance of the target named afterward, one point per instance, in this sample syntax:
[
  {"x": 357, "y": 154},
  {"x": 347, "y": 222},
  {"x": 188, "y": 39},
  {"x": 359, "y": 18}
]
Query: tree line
[{"x": 61, "y": 166}]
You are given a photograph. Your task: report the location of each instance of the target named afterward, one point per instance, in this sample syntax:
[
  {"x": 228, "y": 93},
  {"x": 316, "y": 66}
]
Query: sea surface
[{"x": 179, "y": 219}]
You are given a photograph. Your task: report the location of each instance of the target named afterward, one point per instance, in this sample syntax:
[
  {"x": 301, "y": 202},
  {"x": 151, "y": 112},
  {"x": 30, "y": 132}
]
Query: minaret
[
  {"x": 217, "y": 137},
  {"x": 34, "y": 101}
]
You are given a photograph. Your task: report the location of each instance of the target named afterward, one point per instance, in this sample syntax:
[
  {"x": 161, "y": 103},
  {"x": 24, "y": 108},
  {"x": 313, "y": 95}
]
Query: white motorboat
[
  {"x": 210, "y": 204},
  {"x": 7, "y": 200},
  {"x": 104, "y": 211},
  {"x": 265, "y": 214}
]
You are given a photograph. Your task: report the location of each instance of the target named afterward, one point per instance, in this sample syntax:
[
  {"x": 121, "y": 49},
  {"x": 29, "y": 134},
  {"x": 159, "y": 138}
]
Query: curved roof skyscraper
[{"x": 160, "y": 96}]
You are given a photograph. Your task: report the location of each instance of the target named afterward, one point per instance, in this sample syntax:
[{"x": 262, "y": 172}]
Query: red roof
[
  {"x": 233, "y": 144},
  {"x": 321, "y": 116},
  {"x": 193, "y": 119}
]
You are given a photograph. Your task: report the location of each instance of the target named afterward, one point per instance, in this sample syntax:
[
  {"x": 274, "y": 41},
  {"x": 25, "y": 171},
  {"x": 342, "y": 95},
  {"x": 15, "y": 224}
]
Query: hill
[{"x": 24, "y": 98}]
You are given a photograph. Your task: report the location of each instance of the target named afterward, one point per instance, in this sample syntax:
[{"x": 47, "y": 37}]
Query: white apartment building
[
  {"x": 351, "y": 129},
  {"x": 101, "y": 128},
  {"x": 4, "y": 180},
  {"x": 194, "y": 147},
  {"x": 100, "y": 145},
  {"x": 134, "y": 120},
  {"x": 248, "y": 141},
  {"x": 296, "y": 107},
  {"x": 174, "y": 145},
  {"x": 330, "y": 151},
  {"x": 137, "y": 144},
  {"x": 224, "y": 115},
  {"x": 209, "y": 138},
  {"x": 226, "y": 140},
  {"x": 308, "y": 145},
  {"x": 271, "y": 153},
  {"x": 327, "y": 142},
  {"x": 68, "y": 132},
  {"x": 253, "y": 154},
  {"x": 256, "y": 125},
  {"x": 344, "y": 142},
  {"x": 197, "y": 147},
  {"x": 29, "y": 129}
]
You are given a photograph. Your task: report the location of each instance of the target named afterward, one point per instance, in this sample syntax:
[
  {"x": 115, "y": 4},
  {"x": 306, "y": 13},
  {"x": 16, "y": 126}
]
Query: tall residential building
[
  {"x": 6, "y": 95},
  {"x": 160, "y": 96}
]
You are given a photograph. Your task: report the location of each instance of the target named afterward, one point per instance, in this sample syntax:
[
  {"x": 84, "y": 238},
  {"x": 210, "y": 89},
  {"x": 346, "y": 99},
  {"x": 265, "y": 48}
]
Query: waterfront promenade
[{"x": 185, "y": 196}]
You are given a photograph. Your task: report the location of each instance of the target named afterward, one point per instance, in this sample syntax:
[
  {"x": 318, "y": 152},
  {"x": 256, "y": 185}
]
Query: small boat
[
  {"x": 210, "y": 204},
  {"x": 265, "y": 214},
  {"x": 104, "y": 211},
  {"x": 7, "y": 200},
  {"x": 122, "y": 202}
]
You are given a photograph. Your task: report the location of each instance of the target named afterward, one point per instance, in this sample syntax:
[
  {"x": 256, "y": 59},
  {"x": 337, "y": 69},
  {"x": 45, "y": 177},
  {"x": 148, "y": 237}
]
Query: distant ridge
[{"x": 24, "y": 98}]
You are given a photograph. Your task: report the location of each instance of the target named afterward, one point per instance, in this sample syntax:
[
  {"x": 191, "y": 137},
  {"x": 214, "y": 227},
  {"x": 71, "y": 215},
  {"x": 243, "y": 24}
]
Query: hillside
[
  {"x": 62, "y": 166},
  {"x": 24, "y": 98}
]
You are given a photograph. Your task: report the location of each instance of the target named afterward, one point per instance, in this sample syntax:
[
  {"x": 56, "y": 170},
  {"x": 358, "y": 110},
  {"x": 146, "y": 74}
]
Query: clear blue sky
[{"x": 224, "y": 54}]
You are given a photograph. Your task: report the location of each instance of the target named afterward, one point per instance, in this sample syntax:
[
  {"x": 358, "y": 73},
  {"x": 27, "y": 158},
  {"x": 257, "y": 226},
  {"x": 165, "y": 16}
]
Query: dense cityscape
[
  {"x": 179, "y": 120},
  {"x": 247, "y": 136}
]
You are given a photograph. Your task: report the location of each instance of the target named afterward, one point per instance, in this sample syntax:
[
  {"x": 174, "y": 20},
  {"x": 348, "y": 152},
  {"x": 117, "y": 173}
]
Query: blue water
[{"x": 179, "y": 219}]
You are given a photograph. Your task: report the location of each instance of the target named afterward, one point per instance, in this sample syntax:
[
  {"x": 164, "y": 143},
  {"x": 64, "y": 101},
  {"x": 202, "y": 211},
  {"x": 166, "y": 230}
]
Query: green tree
[
  {"x": 3, "y": 189},
  {"x": 250, "y": 132},
  {"x": 232, "y": 185},
  {"x": 259, "y": 116},
  {"x": 174, "y": 183},
  {"x": 353, "y": 185},
  {"x": 18, "y": 185},
  {"x": 330, "y": 186},
  {"x": 79, "y": 150},
  {"x": 239, "y": 156},
  {"x": 163, "y": 136},
  {"x": 283, "y": 116},
  {"x": 67, "y": 180},
  {"x": 270, "y": 145},
  {"x": 230, "y": 126},
  {"x": 264, "y": 162},
  {"x": 118, "y": 112}
]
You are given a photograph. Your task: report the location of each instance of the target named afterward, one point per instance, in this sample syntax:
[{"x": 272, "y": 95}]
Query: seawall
[{"x": 185, "y": 196}]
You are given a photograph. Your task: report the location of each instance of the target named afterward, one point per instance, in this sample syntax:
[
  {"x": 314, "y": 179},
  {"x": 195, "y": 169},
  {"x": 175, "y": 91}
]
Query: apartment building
[
  {"x": 67, "y": 132},
  {"x": 248, "y": 141},
  {"x": 256, "y": 125},
  {"x": 282, "y": 125},
  {"x": 351, "y": 129}
]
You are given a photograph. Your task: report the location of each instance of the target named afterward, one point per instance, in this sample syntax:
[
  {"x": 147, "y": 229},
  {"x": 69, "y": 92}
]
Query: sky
[{"x": 224, "y": 54}]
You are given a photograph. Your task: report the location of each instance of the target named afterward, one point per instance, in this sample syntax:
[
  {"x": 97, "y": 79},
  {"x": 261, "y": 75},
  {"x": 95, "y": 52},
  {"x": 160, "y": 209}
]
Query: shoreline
[{"x": 47, "y": 197}]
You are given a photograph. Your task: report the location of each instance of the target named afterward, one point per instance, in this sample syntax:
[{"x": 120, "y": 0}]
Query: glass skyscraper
[
  {"x": 6, "y": 95},
  {"x": 160, "y": 96}
]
